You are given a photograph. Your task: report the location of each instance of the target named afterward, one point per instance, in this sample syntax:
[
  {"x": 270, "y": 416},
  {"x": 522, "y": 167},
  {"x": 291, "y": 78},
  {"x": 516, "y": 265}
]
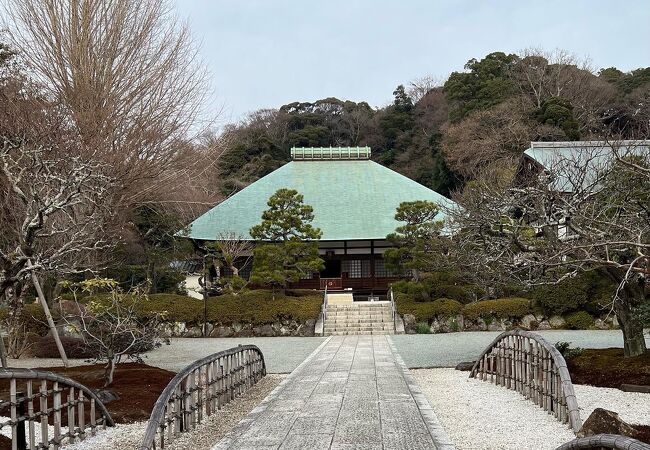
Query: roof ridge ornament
[{"x": 330, "y": 153}]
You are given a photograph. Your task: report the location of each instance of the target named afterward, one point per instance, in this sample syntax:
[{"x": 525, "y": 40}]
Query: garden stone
[
  {"x": 222, "y": 331},
  {"x": 600, "y": 324},
  {"x": 557, "y": 322},
  {"x": 529, "y": 321},
  {"x": 497, "y": 325},
  {"x": 264, "y": 330},
  {"x": 107, "y": 395},
  {"x": 409, "y": 323},
  {"x": 237, "y": 327},
  {"x": 544, "y": 325},
  {"x": 195, "y": 331},
  {"x": 603, "y": 421}
]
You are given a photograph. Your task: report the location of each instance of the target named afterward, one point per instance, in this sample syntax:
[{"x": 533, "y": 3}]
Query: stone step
[
  {"x": 369, "y": 328},
  {"x": 358, "y": 306},
  {"x": 348, "y": 333},
  {"x": 381, "y": 317},
  {"x": 359, "y": 320}
]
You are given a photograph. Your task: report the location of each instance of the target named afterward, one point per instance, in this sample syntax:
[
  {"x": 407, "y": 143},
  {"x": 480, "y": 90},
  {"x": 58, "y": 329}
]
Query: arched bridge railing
[
  {"x": 605, "y": 442},
  {"x": 199, "y": 390},
  {"x": 529, "y": 364},
  {"x": 47, "y": 410}
]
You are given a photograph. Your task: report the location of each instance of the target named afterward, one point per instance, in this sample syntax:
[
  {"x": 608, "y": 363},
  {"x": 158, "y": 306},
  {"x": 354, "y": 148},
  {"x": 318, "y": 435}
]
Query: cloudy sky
[{"x": 267, "y": 53}]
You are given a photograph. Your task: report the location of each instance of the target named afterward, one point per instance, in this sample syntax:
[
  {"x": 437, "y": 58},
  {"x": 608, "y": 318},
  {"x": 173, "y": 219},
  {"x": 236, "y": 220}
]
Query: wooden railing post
[
  {"x": 202, "y": 388},
  {"x": 526, "y": 363}
]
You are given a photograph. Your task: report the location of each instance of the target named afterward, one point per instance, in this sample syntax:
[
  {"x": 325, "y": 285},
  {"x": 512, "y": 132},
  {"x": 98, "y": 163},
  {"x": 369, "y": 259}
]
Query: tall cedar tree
[{"x": 287, "y": 242}]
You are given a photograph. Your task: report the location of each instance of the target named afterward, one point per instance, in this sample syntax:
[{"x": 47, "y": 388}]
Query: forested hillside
[{"x": 444, "y": 135}]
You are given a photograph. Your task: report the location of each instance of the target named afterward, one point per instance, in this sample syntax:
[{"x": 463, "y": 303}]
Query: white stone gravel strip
[
  {"x": 480, "y": 415},
  {"x": 437, "y": 431},
  {"x": 213, "y": 428}
]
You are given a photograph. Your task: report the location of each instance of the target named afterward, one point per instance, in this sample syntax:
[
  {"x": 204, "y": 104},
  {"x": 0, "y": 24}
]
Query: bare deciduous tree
[
  {"x": 111, "y": 328},
  {"x": 587, "y": 211},
  {"x": 129, "y": 75},
  {"x": 58, "y": 214}
]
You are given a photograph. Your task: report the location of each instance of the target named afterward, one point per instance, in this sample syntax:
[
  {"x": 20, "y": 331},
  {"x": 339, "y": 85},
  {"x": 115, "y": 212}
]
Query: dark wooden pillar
[{"x": 372, "y": 264}]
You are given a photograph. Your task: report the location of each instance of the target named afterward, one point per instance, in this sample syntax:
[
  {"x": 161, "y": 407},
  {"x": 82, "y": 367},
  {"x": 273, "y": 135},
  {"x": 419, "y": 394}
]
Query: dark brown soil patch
[
  {"x": 137, "y": 385},
  {"x": 607, "y": 367}
]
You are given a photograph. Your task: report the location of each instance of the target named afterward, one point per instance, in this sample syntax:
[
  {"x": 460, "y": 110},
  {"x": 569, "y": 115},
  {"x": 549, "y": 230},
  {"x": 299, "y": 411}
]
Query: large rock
[
  {"x": 221, "y": 331},
  {"x": 600, "y": 324},
  {"x": 603, "y": 421},
  {"x": 107, "y": 395},
  {"x": 544, "y": 325},
  {"x": 264, "y": 330},
  {"x": 557, "y": 322},
  {"x": 447, "y": 325},
  {"x": 409, "y": 323},
  {"x": 529, "y": 321}
]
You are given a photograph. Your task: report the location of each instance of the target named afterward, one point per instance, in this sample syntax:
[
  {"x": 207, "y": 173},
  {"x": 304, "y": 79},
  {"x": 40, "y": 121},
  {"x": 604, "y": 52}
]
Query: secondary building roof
[
  {"x": 353, "y": 197},
  {"x": 576, "y": 164}
]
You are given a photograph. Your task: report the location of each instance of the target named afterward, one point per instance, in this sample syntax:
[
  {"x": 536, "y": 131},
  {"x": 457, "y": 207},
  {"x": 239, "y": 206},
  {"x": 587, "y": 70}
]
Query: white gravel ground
[
  {"x": 129, "y": 436},
  {"x": 481, "y": 415}
]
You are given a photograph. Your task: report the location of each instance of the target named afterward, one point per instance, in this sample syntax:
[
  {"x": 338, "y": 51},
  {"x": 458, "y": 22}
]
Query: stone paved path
[{"x": 352, "y": 392}]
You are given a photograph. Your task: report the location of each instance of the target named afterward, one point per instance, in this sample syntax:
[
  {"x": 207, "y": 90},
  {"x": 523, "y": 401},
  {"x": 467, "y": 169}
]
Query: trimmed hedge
[
  {"x": 501, "y": 308},
  {"x": 255, "y": 306},
  {"x": 579, "y": 320},
  {"x": 427, "y": 311}
]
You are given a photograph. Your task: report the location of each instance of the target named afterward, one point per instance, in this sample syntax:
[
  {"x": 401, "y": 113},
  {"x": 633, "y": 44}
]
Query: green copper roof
[{"x": 351, "y": 200}]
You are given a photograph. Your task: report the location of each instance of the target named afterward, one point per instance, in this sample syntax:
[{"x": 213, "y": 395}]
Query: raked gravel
[
  {"x": 129, "y": 436},
  {"x": 480, "y": 415}
]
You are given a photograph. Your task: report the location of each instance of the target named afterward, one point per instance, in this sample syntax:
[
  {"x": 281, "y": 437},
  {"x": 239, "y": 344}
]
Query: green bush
[
  {"x": 128, "y": 276},
  {"x": 422, "y": 328},
  {"x": 579, "y": 320},
  {"x": 439, "y": 285},
  {"x": 588, "y": 291},
  {"x": 427, "y": 311},
  {"x": 254, "y": 306},
  {"x": 501, "y": 308},
  {"x": 566, "y": 351}
]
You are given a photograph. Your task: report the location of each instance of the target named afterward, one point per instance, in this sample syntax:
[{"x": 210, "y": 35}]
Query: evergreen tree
[
  {"x": 418, "y": 241},
  {"x": 287, "y": 247}
]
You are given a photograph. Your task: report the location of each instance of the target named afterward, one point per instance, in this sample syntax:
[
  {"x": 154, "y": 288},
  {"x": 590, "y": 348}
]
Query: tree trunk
[
  {"x": 109, "y": 372},
  {"x": 48, "y": 316},
  {"x": 151, "y": 277},
  {"x": 632, "y": 328}
]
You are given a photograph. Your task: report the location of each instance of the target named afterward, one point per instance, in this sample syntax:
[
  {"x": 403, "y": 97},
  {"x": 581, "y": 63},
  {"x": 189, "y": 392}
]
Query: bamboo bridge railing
[
  {"x": 47, "y": 410},
  {"x": 525, "y": 362},
  {"x": 605, "y": 442},
  {"x": 199, "y": 390}
]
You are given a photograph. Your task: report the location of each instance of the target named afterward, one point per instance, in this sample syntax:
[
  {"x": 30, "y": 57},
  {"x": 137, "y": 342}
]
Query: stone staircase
[{"x": 358, "y": 318}]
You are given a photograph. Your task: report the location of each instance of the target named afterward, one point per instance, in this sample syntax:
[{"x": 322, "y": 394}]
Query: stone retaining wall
[
  {"x": 528, "y": 322},
  {"x": 236, "y": 329}
]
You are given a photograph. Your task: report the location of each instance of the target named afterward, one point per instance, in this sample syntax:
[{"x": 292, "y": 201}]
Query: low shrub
[
  {"x": 422, "y": 328},
  {"x": 254, "y": 306},
  {"x": 427, "y": 311},
  {"x": 579, "y": 320},
  {"x": 566, "y": 351},
  {"x": 588, "y": 291},
  {"x": 501, "y": 308}
]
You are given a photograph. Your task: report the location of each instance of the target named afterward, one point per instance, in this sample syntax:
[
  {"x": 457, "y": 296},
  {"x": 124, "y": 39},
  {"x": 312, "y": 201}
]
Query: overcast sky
[{"x": 268, "y": 53}]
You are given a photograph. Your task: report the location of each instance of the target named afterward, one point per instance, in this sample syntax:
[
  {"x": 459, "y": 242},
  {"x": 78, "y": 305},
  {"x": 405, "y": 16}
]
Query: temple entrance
[{"x": 332, "y": 269}]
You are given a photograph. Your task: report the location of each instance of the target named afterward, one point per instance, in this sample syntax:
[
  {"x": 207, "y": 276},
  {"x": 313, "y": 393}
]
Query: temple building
[{"x": 354, "y": 201}]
